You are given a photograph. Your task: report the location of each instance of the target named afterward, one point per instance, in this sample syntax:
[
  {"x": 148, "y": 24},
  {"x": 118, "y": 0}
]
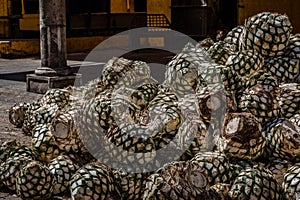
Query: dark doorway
[
  {"x": 140, "y": 6},
  {"x": 16, "y": 7},
  {"x": 228, "y": 14},
  {"x": 87, "y": 6},
  {"x": 31, "y": 6}
]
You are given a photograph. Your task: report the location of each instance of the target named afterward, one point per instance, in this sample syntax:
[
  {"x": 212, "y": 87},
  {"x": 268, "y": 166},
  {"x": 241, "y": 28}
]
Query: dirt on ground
[{"x": 11, "y": 93}]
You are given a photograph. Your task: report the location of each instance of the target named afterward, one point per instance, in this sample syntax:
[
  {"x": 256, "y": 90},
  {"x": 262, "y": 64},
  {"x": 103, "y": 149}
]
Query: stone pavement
[{"x": 29, "y": 64}]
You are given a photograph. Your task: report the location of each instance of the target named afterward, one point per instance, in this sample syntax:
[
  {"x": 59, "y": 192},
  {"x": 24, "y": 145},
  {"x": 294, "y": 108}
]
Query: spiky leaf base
[
  {"x": 233, "y": 38},
  {"x": 289, "y": 99},
  {"x": 216, "y": 166},
  {"x": 219, "y": 52},
  {"x": 59, "y": 97},
  {"x": 291, "y": 183},
  {"x": 245, "y": 63},
  {"x": 10, "y": 169},
  {"x": 255, "y": 183},
  {"x": 35, "y": 182},
  {"x": 44, "y": 144},
  {"x": 63, "y": 168},
  {"x": 131, "y": 185},
  {"x": 261, "y": 102},
  {"x": 93, "y": 181},
  {"x": 283, "y": 139},
  {"x": 17, "y": 114},
  {"x": 267, "y": 33},
  {"x": 220, "y": 191}
]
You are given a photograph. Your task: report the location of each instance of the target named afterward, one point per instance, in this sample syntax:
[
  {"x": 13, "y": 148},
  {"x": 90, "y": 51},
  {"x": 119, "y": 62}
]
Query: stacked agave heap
[
  {"x": 224, "y": 125},
  {"x": 56, "y": 153},
  {"x": 261, "y": 137}
]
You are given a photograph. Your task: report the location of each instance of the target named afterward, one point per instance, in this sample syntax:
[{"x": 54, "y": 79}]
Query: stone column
[
  {"x": 53, "y": 72},
  {"x": 53, "y": 38}
]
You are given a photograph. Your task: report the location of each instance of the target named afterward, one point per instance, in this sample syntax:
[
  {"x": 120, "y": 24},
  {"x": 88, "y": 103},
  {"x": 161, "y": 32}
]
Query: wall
[
  {"x": 4, "y": 23},
  {"x": 248, "y": 8},
  {"x": 159, "y": 7},
  {"x": 25, "y": 47},
  {"x": 120, "y": 6},
  {"x": 4, "y": 7}
]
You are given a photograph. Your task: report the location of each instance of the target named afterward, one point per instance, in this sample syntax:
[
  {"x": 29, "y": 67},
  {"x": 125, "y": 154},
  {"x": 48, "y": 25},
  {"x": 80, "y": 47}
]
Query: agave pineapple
[
  {"x": 17, "y": 113},
  {"x": 183, "y": 71},
  {"x": 241, "y": 137},
  {"x": 261, "y": 102},
  {"x": 44, "y": 144},
  {"x": 60, "y": 97},
  {"x": 255, "y": 183},
  {"x": 245, "y": 63},
  {"x": 178, "y": 180},
  {"x": 63, "y": 168},
  {"x": 289, "y": 99},
  {"x": 131, "y": 185},
  {"x": 282, "y": 138},
  {"x": 267, "y": 33},
  {"x": 42, "y": 115},
  {"x": 291, "y": 184},
  {"x": 94, "y": 181},
  {"x": 233, "y": 38},
  {"x": 10, "y": 169},
  {"x": 35, "y": 182},
  {"x": 121, "y": 72},
  {"x": 65, "y": 132},
  {"x": 216, "y": 165},
  {"x": 219, "y": 52}
]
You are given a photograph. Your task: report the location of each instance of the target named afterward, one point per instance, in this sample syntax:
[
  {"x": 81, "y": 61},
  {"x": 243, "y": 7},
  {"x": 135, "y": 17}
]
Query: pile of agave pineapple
[{"x": 252, "y": 76}]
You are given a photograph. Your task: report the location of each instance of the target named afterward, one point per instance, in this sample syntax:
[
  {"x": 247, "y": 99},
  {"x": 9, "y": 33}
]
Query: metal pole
[{"x": 53, "y": 38}]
